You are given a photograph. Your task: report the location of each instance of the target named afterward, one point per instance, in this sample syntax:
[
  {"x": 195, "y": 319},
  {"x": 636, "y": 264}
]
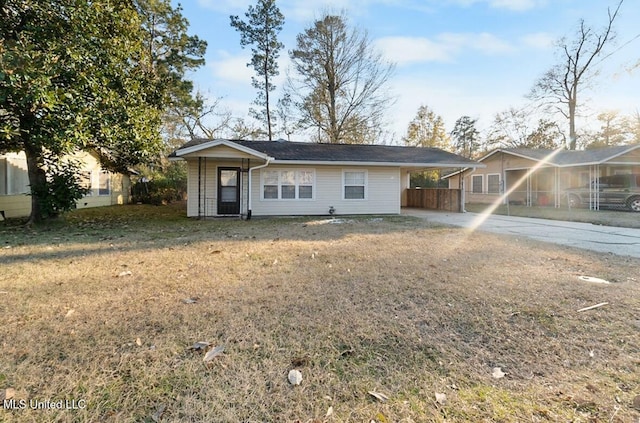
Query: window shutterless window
[
  {"x": 290, "y": 184},
  {"x": 354, "y": 185},
  {"x": 476, "y": 184},
  {"x": 104, "y": 183},
  {"x": 493, "y": 183},
  {"x": 85, "y": 182}
]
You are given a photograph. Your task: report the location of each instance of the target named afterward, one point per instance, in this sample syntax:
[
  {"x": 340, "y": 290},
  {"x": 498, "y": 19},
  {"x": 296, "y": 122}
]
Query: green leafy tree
[
  {"x": 614, "y": 130},
  {"x": 78, "y": 76},
  {"x": 340, "y": 84},
  {"x": 465, "y": 136},
  {"x": 427, "y": 129},
  {"x": 171, "y": 53},
  {"x": 264, "y": 23}
]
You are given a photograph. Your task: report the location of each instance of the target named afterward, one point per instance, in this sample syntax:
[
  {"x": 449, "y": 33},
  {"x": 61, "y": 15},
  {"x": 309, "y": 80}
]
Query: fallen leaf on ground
[
  {"x": 497, "y": 373},
  {"x": 200, "y": 345},
  {"x": 159, "y": 412},
  {"x": 295, "y": 377},
  {"x": 441, "y": 398},
  {"x": 379, "y": 396},
  {"x": 7, "y": 394},
  {"x": 214, "y": 352}
]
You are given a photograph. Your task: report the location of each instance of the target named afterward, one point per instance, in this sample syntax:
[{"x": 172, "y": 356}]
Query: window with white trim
[
  {"x": 104, "y": 183},
  {"x": 84, "y": 180},
  {"x": 476, "y": 184},
  {"x": 354, "y": 184},
  {"x": 493, "y": 183},
  {"x": 289, "y": 184},
  {"x": 3, "y": 177},
  {"x": 14, "y": 178}
]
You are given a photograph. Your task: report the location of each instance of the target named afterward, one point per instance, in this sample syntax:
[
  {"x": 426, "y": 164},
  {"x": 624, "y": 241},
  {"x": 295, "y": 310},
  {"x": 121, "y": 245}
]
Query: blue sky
[{"x": 459, "y": 57}]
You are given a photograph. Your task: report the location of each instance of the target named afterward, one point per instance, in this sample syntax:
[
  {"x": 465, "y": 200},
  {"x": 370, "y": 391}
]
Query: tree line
[{"x": 109, "y": 76}]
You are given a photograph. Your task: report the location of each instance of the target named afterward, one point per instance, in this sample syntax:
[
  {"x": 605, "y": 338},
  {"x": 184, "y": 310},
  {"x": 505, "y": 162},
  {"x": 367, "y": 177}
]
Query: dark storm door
[{"x": 228, "y": 190}]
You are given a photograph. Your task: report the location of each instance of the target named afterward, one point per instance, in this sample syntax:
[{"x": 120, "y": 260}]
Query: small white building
[{"x": 268, "y": 178}]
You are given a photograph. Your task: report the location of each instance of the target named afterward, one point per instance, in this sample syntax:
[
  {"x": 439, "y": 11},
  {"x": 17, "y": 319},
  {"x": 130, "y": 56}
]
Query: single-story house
[
  {"x": 538, "y": 176},
  {"x": 106, "y": 188},
  {"x": 267, "y": 178}
]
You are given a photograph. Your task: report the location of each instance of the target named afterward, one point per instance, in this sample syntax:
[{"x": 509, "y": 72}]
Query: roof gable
[
  {"x": 568, "y": 158},
  {"x": 216, "y": 148}
]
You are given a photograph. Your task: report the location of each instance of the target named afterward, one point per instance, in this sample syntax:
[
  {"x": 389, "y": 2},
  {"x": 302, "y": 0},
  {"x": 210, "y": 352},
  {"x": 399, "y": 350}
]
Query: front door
[{"x": 228, "y": 190}]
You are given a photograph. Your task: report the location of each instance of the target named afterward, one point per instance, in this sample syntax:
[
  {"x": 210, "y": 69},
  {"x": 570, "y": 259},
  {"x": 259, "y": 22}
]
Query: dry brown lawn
[{"x": 93, "y": 310}]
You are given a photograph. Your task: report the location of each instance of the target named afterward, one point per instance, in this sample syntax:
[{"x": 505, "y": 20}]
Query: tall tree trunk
[
  {"x": 573, "y": 138},
  {"x": 37, "y": 177},
  {"x": 266, "y": 95}
]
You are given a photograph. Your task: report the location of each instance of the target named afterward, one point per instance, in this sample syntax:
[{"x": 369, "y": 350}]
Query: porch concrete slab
[{"x": 587, "y": 236}]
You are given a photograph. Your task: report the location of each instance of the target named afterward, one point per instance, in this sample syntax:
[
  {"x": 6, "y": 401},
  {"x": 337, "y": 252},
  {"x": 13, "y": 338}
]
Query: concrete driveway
[{"x": 604, "y": 239}]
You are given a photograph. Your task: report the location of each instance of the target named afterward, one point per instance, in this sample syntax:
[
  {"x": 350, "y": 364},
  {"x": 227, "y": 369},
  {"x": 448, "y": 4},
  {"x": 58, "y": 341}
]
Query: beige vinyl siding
[
  {"x": 15, "y": 205},
  {"x": 382, "y": 193},
  {"x": 19, "y": 205},
  {"x": 209, "y": 186}
]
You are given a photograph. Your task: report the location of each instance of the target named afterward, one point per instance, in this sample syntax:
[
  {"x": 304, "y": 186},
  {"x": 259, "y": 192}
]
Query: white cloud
[
  {"x": 539, "y": 40},
  {"x": 483, "y": 42},
  {"x": 444, "y": 49},
  {"x": 407, "y": 50},
  {"x": 513, "y": 5},
  {"x": 226, "y": 6},
  {"x": 516, "y": 5},
  {"x": 306, "y": 10},
  {"x": 232, "y": 68}
]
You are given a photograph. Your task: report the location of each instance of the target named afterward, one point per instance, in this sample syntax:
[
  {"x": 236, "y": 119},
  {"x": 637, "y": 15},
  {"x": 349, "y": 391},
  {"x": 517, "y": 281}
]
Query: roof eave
[
  {"x": 214, "y": 143},
  {"x": 362, "y": 163}
]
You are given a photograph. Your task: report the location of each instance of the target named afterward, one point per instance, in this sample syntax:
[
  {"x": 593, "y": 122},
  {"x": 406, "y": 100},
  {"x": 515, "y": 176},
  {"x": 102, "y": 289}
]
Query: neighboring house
[
  {"x": 267, "y": 178},
  {"x": 106, "y": 188},
  {"x": 539, "y": 177}
]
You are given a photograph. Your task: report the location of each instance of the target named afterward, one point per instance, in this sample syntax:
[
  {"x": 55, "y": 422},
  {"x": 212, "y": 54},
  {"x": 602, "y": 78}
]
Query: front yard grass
[{"x": 105, "y": 305}]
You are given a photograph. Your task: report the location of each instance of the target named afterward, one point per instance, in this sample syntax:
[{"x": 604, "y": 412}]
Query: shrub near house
[{"x": 103, "y": 188}]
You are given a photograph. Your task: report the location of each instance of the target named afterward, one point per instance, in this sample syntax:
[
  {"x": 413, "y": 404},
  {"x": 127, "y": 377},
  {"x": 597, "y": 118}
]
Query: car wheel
[
  {"x": 634, "y": 204},
  {"x": 574, "y": 201}
]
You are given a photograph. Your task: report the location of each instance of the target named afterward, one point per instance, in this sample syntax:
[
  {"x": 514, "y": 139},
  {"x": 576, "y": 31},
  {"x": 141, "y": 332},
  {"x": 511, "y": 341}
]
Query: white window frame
[
  {"x": 365, "y": 185},
  {"x": 15, "y": 179},
  {"x": 4, "y": 176},
  {"x": 499, "y": 183},
  {"x": 297, "y": 176},
  {"x": 106, "y": 174},
  {"x": 86, "y": 181},
  {"x": 481, "y": 184}
]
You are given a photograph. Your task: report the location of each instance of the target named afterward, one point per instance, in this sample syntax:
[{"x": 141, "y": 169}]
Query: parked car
[{"x": 612, "y": 191}]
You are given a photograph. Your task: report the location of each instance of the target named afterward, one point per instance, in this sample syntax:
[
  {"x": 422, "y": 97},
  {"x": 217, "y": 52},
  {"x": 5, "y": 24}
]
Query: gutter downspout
[{"x": 251, "y": 169}]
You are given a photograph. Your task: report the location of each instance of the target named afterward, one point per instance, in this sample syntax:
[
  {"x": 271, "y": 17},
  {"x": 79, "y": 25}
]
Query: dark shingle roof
[
  {"x": 571, "y": 157},
  {"x": 312, "y": 152}
]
